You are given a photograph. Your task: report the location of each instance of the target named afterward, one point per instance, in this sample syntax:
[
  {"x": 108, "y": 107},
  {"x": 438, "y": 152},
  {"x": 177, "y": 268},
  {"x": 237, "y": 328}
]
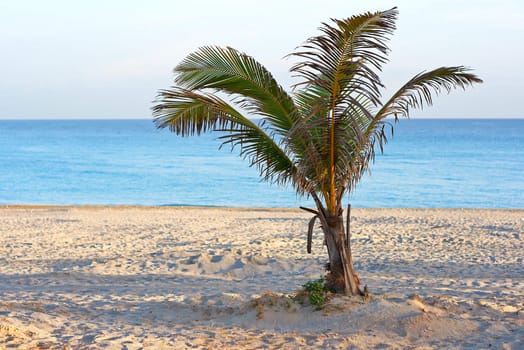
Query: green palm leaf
[
  {"x": 419, "y": 90},
  {"x": 187, "y": 112},
  {"x": 344, "y": 58},
  {"x": 228, "y": 71}
]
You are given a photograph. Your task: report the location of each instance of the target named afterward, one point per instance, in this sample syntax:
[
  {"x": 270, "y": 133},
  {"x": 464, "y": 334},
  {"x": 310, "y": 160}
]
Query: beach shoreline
[
  {"x": 241, "y": 208},
  {"x": 191, "y": 277}
]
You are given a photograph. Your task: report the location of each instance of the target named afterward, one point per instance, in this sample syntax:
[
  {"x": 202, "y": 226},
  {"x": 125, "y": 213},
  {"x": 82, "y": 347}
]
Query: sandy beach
[{"x": 207, "y": 278}]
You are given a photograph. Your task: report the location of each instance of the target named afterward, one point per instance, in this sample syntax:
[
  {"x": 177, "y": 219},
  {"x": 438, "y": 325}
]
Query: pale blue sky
[{"x": 107, "y": 59}]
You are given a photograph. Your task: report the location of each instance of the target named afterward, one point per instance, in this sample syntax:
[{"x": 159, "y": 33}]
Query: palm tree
[{"x": 321, "y": 137}]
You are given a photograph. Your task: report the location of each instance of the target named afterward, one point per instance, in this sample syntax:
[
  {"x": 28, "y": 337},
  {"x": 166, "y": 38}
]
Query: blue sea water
[{"x": 451, "y": 163}]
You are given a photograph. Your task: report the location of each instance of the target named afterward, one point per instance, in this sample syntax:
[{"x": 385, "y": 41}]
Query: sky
[{"x": 108, "y": 58}]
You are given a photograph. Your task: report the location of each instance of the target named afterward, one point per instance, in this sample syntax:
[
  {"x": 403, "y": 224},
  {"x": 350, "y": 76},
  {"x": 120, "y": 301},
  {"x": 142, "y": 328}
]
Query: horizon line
[{"x": 255, "y": 118}]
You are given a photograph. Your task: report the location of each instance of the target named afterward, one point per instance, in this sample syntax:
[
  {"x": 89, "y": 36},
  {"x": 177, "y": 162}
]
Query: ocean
[{"x": 429, "y": 163}]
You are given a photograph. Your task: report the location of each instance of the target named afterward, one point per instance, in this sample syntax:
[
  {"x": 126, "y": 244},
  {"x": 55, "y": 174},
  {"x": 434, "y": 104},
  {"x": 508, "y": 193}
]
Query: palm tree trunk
[{"x": 342, "y": 276}]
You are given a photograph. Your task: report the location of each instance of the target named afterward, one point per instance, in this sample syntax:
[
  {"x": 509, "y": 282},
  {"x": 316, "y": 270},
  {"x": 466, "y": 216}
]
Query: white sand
[{"x": 163, "y": 278}]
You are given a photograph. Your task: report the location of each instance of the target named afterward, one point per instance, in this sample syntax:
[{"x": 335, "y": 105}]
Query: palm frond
[
  {"x": 249, "y": 82},
  {"x": 344, "y": 58},
  {"x": 420, "y": 89},
  {"x": 414, "y": 94},
  {"x": 187, "y": 112}
]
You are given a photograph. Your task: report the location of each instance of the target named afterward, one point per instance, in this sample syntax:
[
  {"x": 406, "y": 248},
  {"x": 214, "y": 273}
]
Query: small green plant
[
  {"x": 317, "y": 299},
  {"x": 314, "y": 286},
  {"x": 316, "y": 291}
]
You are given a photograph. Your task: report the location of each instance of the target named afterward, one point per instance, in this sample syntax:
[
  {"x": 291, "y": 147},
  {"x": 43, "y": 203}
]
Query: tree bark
[{"x": 342, "y": 276}]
